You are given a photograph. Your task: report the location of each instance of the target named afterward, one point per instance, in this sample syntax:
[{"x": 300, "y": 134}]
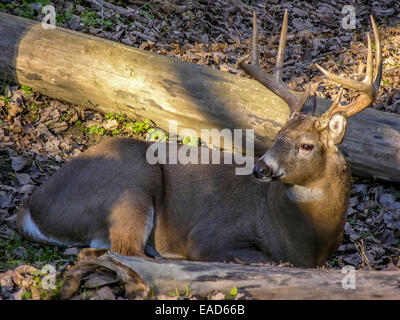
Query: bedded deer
[{"x": 293, "y": 208}]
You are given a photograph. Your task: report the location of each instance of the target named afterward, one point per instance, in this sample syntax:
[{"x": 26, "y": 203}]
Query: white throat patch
[{"x": 303, "y": 194}]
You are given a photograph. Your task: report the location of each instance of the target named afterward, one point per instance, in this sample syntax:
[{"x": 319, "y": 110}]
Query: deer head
[{"x": 303, "y": 145}]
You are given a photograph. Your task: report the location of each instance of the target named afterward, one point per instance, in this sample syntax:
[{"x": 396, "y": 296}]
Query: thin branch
[
  {"x": 228, "y": 34},
  {"x": 120, "y": 10},
  {"x": 143, "y": 36}
]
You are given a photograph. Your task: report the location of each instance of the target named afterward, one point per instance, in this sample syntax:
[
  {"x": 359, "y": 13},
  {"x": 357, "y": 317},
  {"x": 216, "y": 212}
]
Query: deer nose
[{"x": 261, "y": 170}]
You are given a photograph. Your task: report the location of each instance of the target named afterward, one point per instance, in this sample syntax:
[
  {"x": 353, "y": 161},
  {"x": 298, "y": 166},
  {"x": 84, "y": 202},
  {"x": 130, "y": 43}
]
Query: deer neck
[
  {"x": 312, "y": 216},
  {"x": 302, "y": 194},
  {"x": 324, "y": 198}
]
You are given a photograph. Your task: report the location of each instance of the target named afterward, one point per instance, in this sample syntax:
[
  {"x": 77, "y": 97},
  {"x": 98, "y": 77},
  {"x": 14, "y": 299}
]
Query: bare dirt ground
[{"x": 38, "y": 134}]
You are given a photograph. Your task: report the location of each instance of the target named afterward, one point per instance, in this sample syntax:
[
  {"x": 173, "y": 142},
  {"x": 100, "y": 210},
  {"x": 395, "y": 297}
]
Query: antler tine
[
  {"x": 368, "y": 87},
  {"x": 335, "y": 104},
  {"x": 281, "y": 50},
  {"x": 303, "y": 100},
  {"x": 273, "y": 82},
  {"x": 254, "y": 47},
  {"x": 348, "y": 83},
  {"x": 378, "y": 63}
]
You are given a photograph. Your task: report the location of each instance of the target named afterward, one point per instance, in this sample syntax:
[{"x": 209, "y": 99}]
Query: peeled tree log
[
  {"x": 144, "y": 277},
  {"x": 111, "y": 77}
]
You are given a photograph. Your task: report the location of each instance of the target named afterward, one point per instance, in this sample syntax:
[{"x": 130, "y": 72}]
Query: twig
[
  {"x": 66, "y": 20},
  {"x": 140, "y": 7},
  {"x": 120, "y": 10},
  {"x": 102, "y": 18},
  {"x": 242, "y": 262},
  {"x": 228, "y": 34},
  {"x": 143, "y": 36},
  {"x": 361, "y": 252}
]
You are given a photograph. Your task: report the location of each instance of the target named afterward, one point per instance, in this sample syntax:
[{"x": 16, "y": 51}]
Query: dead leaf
[
  {"x": 97, "y": 280},
  {"x": 104, "y": 293}
]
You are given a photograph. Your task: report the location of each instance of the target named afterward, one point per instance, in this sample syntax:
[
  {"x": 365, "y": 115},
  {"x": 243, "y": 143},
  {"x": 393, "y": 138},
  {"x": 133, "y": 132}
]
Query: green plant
[
  {"x": 234, "y": 291},
  {"x": 26, "y": 11},
  {"x": 33, "y": 107},
  {"x": 26, "y": 295},
  {"x": 108, "y": 24},
  {"x": 120, "y": 117},
  {"x": 5, "y": 99},
  {"x": 365, "y": 234},
  {"x": 78, "y": 124},
  {"x": 65, "y": 16},
  {"x": 174, "y": 293},
  {"x": 333, "y": 262},
  {"x": 158, "y": 135},
  {"x": 95, "y": 129},
  {"x": 351, "y": 220},
  {"x": 153, "y": 290},
  {"x": 200, "y": 5},
  {"x": 44, "y": 294},
  {"x": 89, "y": 17},
  {"x": 26, "y": 89},
  {"x": 115, "y": 132},
  {"x": 23, "y": 9},
  {"x": 35, "y": 254},
  {"x": 187, "y": 290},
  {"x": 139, "y": 126},
  {"x": 191, "y": 141},
  {"x": 5, "y": 6},
  {"x": 147, "y": 10}
]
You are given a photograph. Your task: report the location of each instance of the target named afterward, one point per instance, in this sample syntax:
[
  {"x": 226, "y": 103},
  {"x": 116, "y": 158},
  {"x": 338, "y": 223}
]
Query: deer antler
[
  {"x": 369, "y": 86},
  {"x": 273, "y": 82}
]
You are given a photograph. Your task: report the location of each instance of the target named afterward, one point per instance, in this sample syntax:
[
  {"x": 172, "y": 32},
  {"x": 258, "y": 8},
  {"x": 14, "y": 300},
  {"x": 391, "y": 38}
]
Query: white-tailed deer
[{"x": 292, "y": 209}]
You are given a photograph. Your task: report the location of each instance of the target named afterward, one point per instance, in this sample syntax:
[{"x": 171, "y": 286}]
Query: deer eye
[{"x": 306, "y": 147}]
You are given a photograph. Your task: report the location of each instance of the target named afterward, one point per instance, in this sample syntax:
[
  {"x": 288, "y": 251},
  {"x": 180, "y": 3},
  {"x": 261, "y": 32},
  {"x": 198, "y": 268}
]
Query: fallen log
[
  {"x": 111, "y": 77},
  {"x": 146, "y": 277}
]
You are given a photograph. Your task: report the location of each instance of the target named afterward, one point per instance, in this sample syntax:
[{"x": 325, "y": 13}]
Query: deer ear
[{"x": 337, "y": 127}]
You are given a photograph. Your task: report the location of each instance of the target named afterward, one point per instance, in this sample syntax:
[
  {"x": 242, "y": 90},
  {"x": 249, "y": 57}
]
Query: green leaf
[
  {"x": 234, "y": 291},
  {"x": 94, "y": 129},
  {"x": 26, "y": 89},
  {"x": 191, "y": 141}
]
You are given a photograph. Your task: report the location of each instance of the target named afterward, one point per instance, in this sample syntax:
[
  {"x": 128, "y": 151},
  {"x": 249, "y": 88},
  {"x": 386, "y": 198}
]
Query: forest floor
[{"x": 37, "y": 134}]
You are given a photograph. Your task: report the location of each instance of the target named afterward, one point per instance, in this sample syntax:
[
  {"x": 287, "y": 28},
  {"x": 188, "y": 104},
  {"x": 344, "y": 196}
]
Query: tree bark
[
  {"x": 111, "y": 77},
  {"x": 157, "y": 277}
]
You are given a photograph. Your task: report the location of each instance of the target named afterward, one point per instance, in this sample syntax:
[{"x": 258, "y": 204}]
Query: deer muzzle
[{"x": 267, "y": 169}]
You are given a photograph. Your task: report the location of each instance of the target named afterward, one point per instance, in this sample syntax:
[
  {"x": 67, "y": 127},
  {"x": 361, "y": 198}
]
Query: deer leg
[{"x": 130, "y": 226}]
